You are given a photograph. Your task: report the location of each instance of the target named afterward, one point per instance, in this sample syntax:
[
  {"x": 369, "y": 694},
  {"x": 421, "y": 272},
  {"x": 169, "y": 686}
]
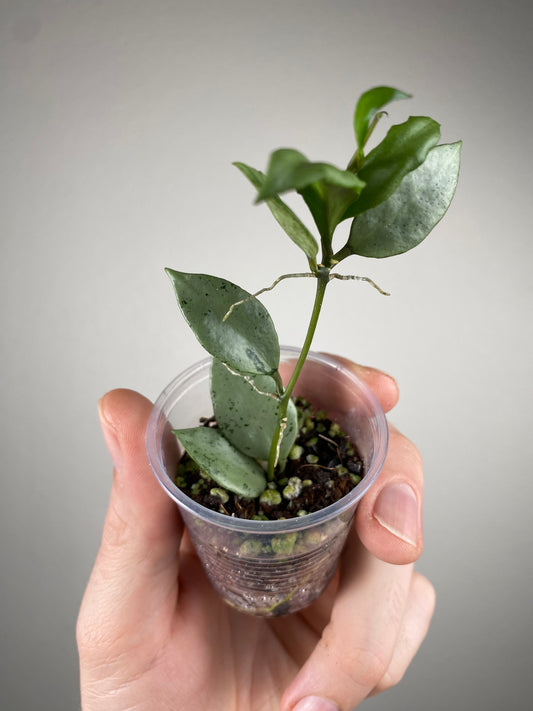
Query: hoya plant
[{"x": 393, "y": 195}]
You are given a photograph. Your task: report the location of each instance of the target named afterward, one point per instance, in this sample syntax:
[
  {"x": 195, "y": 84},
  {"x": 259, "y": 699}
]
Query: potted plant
[{"x": 266, "y": 450}]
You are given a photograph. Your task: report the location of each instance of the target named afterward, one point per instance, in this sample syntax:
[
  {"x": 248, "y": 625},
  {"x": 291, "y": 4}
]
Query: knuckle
[
  {"x": 98, "y": 644},
  {"x": 406, "y": 449},
  {"x": 88, "y": 636},
  {"x": 426, "y": 595},
  {"x": 363, "y": 667},
  {"x": 117, "y": 530},
  {"x": 364, "y": 657},
  {"x": 97, "y": 629},
  {"x": 81, "y": 632},
  {"x": 369, "y": 667},
  {"x": 392, "y": 677},
  {"x": 411, "y": 451}
]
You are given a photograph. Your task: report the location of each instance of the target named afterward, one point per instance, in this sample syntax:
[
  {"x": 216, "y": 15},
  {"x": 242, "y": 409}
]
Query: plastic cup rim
[{"x": 157, "y": 422}]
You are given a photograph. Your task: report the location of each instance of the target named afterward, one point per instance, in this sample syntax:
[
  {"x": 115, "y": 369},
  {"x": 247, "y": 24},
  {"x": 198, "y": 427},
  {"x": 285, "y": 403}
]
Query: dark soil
[{"x": 323, "y": 466}]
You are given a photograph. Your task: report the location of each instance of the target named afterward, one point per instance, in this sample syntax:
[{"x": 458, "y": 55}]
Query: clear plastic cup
[{"x": 270, "y": 568}]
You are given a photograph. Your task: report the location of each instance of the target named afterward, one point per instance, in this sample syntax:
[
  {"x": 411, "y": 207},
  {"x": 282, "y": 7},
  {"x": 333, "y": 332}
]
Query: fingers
[
  {"x": 134, "y": 578},
  {"x": 378, "y": 622},
  {"x": 384, "y": 386},
  {"x": 328, "y": 388},
  {"x": 415, "y": 623},
  {"x": 382, "y": 610},
  {"x": 389, "y": 517}
]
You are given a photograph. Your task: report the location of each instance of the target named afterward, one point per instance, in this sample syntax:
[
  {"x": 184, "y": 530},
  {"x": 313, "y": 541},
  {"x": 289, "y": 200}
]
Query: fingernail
[
  {"x": 396, "y": 509},
  {"x": 110, "y": 437},
  {"x": 315, "y": 703}
]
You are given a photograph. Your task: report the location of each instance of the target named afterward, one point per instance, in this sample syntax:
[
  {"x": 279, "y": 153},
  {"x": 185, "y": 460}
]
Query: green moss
[{"x": 284, "y": 544}]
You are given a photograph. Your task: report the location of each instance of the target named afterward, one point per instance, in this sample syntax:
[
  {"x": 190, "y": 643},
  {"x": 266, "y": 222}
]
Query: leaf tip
[{"x": 172, "y": 274}]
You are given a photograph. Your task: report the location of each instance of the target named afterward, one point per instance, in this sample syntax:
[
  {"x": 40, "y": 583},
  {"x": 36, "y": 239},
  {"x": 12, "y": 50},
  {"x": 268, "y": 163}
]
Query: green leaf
[
  {"x": 403, "y": 220},
  {"x": 292, "y": 224},
  {"x": 327, "y": 190},
  {"x": 246, "y": 412},
  {"x": 247, "y": 341},
  {"x": 289, "y": 169},
  {"x": 337, "y": 201},
  {"x": 403, "y": 149},
  {"x": 227, "y": 466},
  {"x": 368, "y": 106},
  {"x": 315, "y": 197}
]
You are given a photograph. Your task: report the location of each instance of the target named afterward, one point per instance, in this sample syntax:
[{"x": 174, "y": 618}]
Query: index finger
[{"x": 384, "y": 386}]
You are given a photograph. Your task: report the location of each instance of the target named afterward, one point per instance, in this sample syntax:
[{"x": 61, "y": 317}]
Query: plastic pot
[{"x": 270, "y": 568}]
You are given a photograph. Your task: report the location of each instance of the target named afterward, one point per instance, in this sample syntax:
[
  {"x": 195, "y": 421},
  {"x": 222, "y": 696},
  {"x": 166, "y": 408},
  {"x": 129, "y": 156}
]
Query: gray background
[{"x": 119, "y": 121}]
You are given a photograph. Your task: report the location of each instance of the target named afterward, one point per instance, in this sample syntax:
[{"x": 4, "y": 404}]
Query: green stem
[
  {"x": 355, "y": 161},
  {"x": 342, "y": 254},
  {"x": 279, "y": 382},
  {"x": 322, "y": 282},
  {"x": 327, "y": 253}
]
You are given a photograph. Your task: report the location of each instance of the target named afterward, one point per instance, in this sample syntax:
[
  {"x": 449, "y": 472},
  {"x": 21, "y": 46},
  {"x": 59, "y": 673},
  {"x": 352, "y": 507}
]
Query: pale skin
[{"x": 153, "y": 635}]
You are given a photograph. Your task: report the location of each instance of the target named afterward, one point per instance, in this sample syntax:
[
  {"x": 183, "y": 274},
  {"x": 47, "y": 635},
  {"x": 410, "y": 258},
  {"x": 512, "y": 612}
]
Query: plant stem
[
  {"x": 322, "y": 282},
  {"x": 342, "y": 253}
]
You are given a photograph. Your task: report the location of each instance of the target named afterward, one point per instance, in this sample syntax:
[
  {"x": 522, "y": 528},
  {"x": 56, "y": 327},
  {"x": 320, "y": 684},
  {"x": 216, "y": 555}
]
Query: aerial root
[
  {"x": 266, "y": 288},
  {"x": 345, "y": 277},
  {"x": 299, "y": 275}
]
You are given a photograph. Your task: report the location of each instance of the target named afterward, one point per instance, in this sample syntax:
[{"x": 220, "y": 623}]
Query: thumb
[{"x": 135, "y": 575}]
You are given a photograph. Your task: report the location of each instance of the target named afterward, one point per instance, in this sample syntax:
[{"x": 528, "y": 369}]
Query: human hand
[{"x": 154, "y": 636}]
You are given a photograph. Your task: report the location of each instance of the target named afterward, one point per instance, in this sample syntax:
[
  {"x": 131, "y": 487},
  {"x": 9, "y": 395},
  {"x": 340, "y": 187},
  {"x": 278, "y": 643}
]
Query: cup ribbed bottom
[{"x": 273, "y": 586}]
